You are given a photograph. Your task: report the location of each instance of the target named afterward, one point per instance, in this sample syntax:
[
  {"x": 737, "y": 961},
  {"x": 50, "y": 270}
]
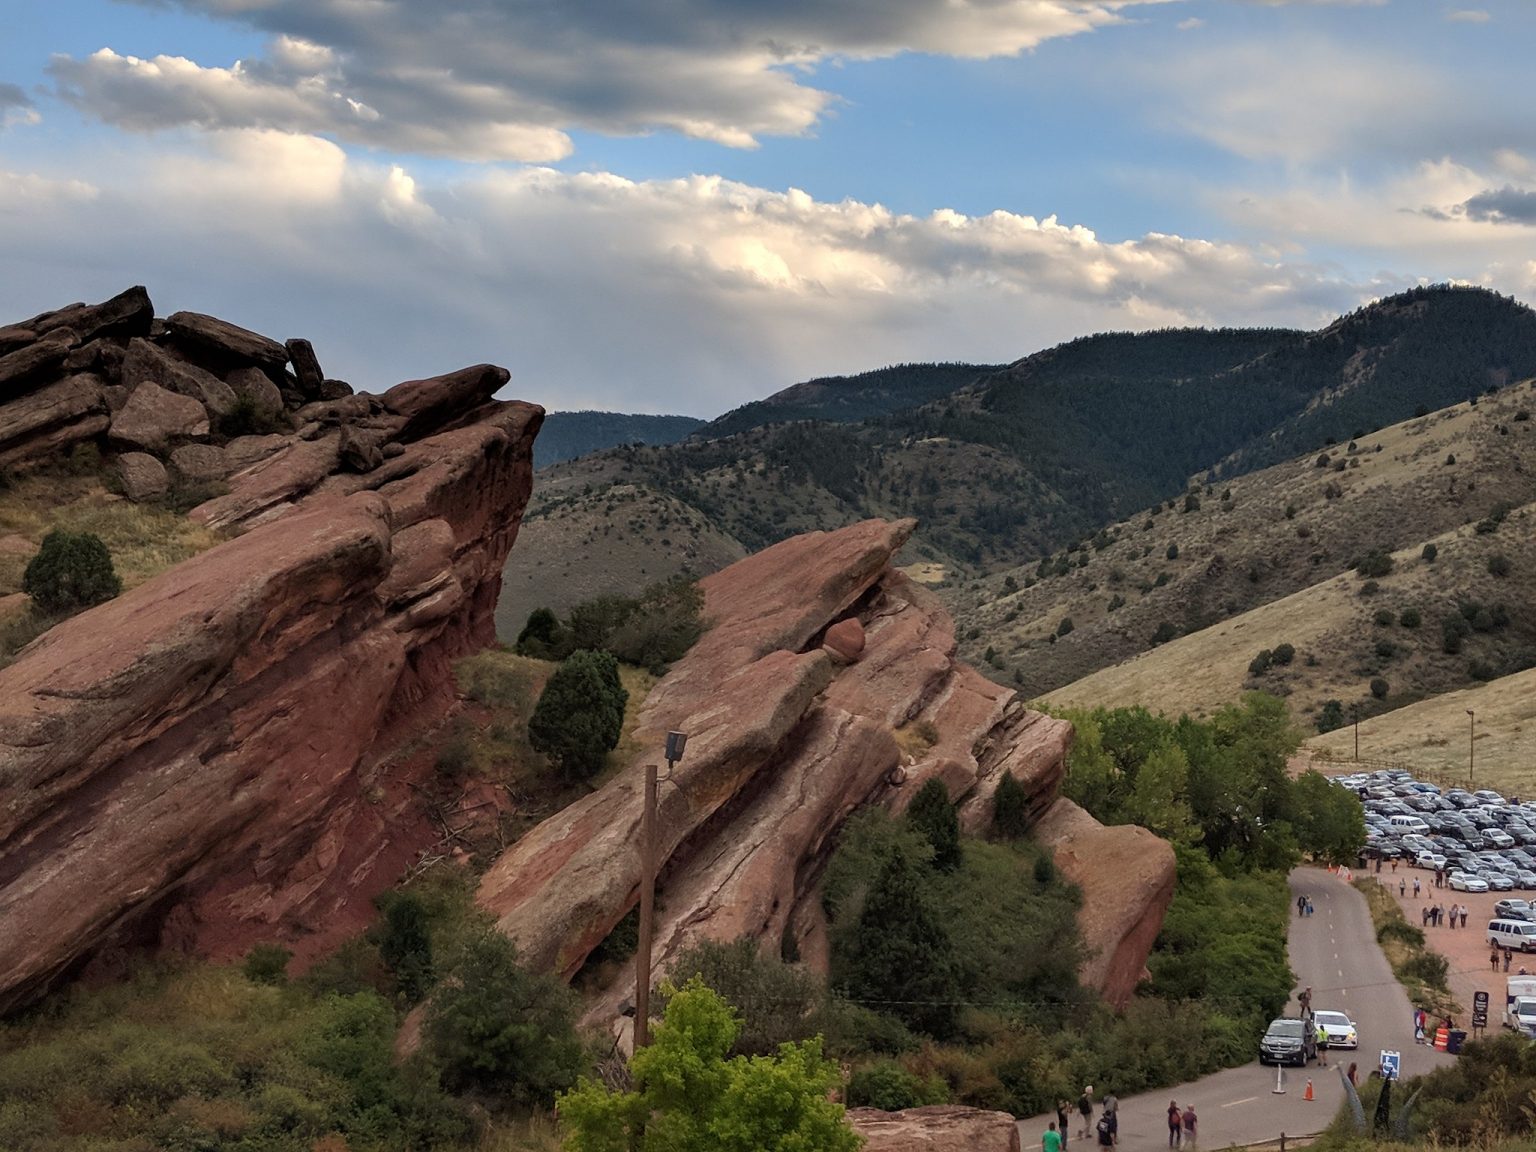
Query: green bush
[
  {"x": 1260, "y": 663},
  {"x": 71, "y": 571},
  {"x": 1498, "y": 565},
  {"x": 888, "y": 1086},
  {"x": 1164, "y": 633},
  {"x": 580, "y": 714},
  {"x": 1010, "y": 808},
  {"x": 1283, "y": 654},
  {"x": 1065, "y": 626},
  {"x": 1430, "y": 553},
  {"x": 1377, "y": 562},
  {"x": 542, "y": 637},
  {"x": 267, "y": 964},
  {"x": 932, "y": 815},
  {"x": 1331, "y": 716},
  {"x": 499, "y": 1029},
  {"x": 1410, "y": 934},
  {"x": 776, "y": 1003},
  {"x": 1410, "y": 618},
  {"x": 405, "y": 945},
  {"x": 1173, "y": 552},
  {"x": 1384, "y": 617},
  {"x": 248, "y": 418},
  {"x": 1380, "y": 688}
]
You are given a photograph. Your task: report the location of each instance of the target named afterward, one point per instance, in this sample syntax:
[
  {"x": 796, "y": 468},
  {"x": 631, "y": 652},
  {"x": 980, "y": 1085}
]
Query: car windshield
[
  {"x": 1285, "y": 1028},
  {"x": 1525, "y": 1006},
  {"x": 1337, "y": 1019}
]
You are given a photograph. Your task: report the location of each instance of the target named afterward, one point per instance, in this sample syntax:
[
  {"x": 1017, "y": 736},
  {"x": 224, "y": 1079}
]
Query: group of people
[
  {"x": 1432, "y": 915},
  {"x": 1497, "y": 953},
  {"x": 1303, "y": 905},
  {"x": 1183, "y": 1124}
]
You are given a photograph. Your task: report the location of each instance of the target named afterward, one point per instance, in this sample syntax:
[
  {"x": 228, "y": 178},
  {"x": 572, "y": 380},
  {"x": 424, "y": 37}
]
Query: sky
[{"x": 683, "y": 205}]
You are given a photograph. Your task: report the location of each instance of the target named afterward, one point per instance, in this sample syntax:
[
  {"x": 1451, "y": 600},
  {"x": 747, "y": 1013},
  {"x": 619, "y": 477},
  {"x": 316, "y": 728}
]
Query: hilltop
[
  {"x": 567, "y": 435},
  {"x": 1016, "y": 463}
]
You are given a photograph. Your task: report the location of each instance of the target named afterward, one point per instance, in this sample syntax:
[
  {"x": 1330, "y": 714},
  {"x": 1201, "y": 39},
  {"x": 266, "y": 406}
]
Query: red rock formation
[
  {"x": 1127, "y": 877},
  {"x": 939, "y": 1128},
  {"x": 205, "y": 742}
]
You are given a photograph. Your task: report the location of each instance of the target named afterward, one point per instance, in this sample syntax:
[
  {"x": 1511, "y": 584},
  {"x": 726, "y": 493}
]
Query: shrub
[
  {"x": 1162, "y": 579},
  {"x": 580, "y": 713},
  {"x": 1290, "y": 511},
  {"x": 1164, "y": 633},
  {"x": 932, "y": 814},
  {"x": 1370, "y": 588},
  {"x": 1496, "y": 516},
  {"x": 1380, "y": 688},
  {"x": 405, "y": 945},
  {"x": 1065, "y": 626},
  {"x": 456, "y": 758},
  {"x": 1010, "y": 808},
  {"x": 499, "y": 1029},
  {"x": 1173, "y": 551},
  {"x": 1450, "y": 459},
  {"x": 1498, "y": 565},
  {"x": 541, "y": 636},
  {"x": 1332, "y": 491},
  {"x": 1410, "y": 618},
  {"x": 267, "y": 964},
  {"x": 1191, "y": 503},
  {"x": 71, "y": 571},
  {"x": 1283, "y": 654},
  {"x": 1010, "y": 584},
  {"x": 1376, "y": 562},
  {"x": 888, "y": 1086},
  {"x": 1323, "y": 460},
  {"x": 1429, "y": 553},
  {"x": 1116, "y": 602},
  {"x": 774, "y": 1001},
  {"x": 1482, "y": 670},
  {"x": 1331, "y": 716},
  {"x": 1386, "y": 649},
  {"x": 1260, "y": 663},
  {"x": 248, "y": 418},
  {"x": 1384, "y": 617}
]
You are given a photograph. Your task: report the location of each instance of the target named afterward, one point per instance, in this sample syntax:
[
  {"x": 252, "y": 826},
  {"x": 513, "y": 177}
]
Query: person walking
[
  {"x": 1190, "y": 1120},
  {"x": 1111, "y": 1104},
  {"x": 1108, "y": 1129},
  {"x": 1415, "y": 887},
  {"x": 1463, "y": 915},
  {"x": 1493, "y": 958},
  {"x": 1351, "y": 1074},
  {"x": 1322, "y": 1046},
  {"x": 1301, "y": 905},
  {"x": 1085, "y": 1108},
  {"x": 1454, "y": 909},
  {"x": 1507, "y": 955},
  {"x": 1402, "y": 886},
  {"x": 1050, "y": 1139},
  {"x": 1063, "y": 1110},
  {"x": 1424, "y": 917},
  {"x": 1175, "y": 1124}
]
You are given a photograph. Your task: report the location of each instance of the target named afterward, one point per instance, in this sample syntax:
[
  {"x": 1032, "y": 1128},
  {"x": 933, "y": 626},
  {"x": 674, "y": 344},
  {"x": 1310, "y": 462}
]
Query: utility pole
[
  {"x": 1471, "y": 736},
  {"x": 1354, "y": 711},
  {"x": 676, "y": 742}
]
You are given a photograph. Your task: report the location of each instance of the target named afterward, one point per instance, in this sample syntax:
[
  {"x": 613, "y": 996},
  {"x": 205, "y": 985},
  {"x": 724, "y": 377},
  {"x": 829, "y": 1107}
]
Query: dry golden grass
[
  {"x": 1434, "y": 735},
  {"x": 926, "y": 572},
  {"x": 144, "y": 539}
]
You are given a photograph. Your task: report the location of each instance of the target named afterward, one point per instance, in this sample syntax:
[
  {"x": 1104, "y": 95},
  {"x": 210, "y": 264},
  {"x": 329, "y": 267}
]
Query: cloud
[
  {"x": 1467, "y": 16},
  {"x": 16, "y": 107},
  {"x": 691, "y": 294},
  {"x": 1190, "y": 24},
  {"x": 506, "y": 79},
  {"x": 1505, "y": 205}
]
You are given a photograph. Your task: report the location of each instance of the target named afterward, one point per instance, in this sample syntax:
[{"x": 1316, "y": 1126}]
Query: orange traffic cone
[{"x": 1307, "y": 1095}]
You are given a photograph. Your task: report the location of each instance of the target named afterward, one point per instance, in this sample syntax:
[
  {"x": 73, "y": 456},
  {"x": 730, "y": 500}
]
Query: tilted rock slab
[
  {"x": 1127, "y": 877},
  {"x": 938, "y": 1128},
  {"x": 195, "y": 749}
]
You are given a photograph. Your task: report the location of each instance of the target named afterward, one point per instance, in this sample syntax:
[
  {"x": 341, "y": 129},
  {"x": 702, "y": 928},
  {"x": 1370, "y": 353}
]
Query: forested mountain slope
[{"x": 567, "y": 435}]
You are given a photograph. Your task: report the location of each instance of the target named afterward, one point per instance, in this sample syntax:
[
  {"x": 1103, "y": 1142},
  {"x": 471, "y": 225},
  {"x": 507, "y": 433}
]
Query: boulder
[
  {"x": 220, "y": 345},
  {"x": 335, "y": 389},
  {"x": 344, "y": 410},
  {"x": 103, "y": 357},
  {"x": 148, "y": 363},
  {"x": 306, "y": 367},
  {"x": 1126, "y": 875},
  {"x": 359, "y": 451},
  {"x": 200, "y": 463},
  {"x": 243, "y": 451},
  {"x": 30, "y": 365},
  {"x": 937, "y": 1128},
  {"x": 41, "y": 422},
  {"x": 144, "y": 477},
  {"x": 272, "y": 485},
  {"x": 845, "y": 640},
  {"x": 153, "y": 418},
  {"x": 256, "y": 386},
  {"x": 15, "y": 336},
  {"x": 127, "y": 314},
  {"x": 435, "y": 403}
]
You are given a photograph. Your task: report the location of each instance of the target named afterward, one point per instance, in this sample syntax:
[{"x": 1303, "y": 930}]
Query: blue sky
[{"x": 683, "y": 206}]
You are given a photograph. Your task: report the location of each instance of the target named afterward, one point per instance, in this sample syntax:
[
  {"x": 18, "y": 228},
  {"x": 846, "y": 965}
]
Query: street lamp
[
  {"x": 676, "y": 742},
  {"x": 1354, "y": 711},
  {"x": 1471, "y": 736}
]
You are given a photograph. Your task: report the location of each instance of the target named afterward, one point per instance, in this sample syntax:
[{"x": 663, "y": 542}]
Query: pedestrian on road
[
  {"x": 1050, "y": 1140},
  {"x": 1111, "y": 1104},
  {"x": 1322, "y": 1046},
  {"x": 1394, "y": 865},
  {"x": 1063, "y": 1109},
  {"x": 1190, "y": 1121},
  {"x": 1493, "y": 958},
  {"x": 1402, "y": 885},
  {"x": 1415, "y": 887},
  {"x": 1463, "y": 916},
  {"x": 1108, "y": 1129},
  {"x": 1085, "y": 1107},
  {"x": 1175, "y": 1124},
  {"x": 1350, "y": 1075},
  {"x": 1424, "y": 917},
  {"x": 1301, "y": 905},
  {"x": 1305, "y": 1000},
  {"x": 1507, "y": 955},
  {"x": 1454, "y": 909}
]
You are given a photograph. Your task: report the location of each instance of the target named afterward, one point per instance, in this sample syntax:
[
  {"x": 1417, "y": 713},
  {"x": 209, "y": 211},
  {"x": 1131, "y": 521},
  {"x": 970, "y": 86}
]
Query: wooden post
[{"x": 647, "y": 911}]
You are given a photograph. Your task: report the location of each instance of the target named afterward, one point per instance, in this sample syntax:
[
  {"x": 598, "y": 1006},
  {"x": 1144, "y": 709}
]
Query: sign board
[
  {"x": 1391, "y": 1064},
  {"x": 1479, "y": 1009}
]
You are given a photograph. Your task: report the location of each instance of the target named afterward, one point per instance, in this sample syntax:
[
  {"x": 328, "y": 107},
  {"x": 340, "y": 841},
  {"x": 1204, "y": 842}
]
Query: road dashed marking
[{"x": 1244, "y": 1100}]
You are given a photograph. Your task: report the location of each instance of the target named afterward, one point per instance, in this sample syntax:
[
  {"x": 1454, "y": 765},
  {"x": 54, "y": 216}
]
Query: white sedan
[
  {"x": 1340, "y": 1029},
  {"x": 1465, "y": 882}
]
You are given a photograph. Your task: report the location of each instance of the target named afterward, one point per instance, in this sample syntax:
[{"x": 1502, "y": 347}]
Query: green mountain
[
  {"x": 849, "y": 399},
  {"x": 1015, "y": 463},
  {"x": 567, "y": 435}
]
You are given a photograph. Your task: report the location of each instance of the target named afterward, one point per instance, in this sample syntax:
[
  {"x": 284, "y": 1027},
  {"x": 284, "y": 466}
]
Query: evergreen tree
[
  {"x": 899, "y": 954},
  {"x": 580, "y": 713},
  {"x": 1010, "y": 808},
  {"x": 406, "y": 946},
  {"x": 935, "y": 817},
  {"x": 71, "y": 571},
  {"x": 541, "y": 636}
]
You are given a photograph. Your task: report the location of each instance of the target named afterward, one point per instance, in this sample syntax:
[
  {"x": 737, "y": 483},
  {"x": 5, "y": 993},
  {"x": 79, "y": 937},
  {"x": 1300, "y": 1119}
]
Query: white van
[
  {"x": 1516, "y": 935},
  {"x": 1408, "y": 824}
]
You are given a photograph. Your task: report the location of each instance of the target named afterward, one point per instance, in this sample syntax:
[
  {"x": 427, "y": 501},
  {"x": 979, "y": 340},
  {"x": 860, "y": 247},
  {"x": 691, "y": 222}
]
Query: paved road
[{"x": 1335, "y": 952}]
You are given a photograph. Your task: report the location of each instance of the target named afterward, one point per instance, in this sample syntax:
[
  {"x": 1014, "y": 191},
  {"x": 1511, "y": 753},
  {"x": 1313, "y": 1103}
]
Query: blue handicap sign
[{"x": 1391, "y": 1064}]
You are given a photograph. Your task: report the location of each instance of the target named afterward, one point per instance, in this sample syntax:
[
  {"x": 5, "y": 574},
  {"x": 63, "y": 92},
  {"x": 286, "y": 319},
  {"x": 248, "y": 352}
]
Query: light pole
[
  {"x": 1354, "y": 711},
  {"x": 1471, "y": 736},
  {"x": 676, "y": 742}
]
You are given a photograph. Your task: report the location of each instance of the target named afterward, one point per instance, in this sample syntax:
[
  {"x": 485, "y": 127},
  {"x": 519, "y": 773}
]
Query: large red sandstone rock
[
  {"x": 1127, "y": 876},
  {"x": 938, "y": 1128},
  {"x": 432, "y": 402},
  {"x": 40, "y": 423},
  {"x": 214, "y": 343},
  {"x": 155, "y": 417},
  {"x": 200, "y": 746}
]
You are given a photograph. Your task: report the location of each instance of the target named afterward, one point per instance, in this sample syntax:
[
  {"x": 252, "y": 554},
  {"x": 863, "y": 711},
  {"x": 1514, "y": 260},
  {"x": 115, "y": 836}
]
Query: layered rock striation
[
  {"x": 821, "y": 664},
  {"x": 937, "y": 1128},
  {"x": 197, "y": 755}
]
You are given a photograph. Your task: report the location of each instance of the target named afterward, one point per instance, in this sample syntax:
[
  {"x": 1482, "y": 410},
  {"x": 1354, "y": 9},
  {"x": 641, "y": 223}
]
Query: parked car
[
  {"x": 1466, "y": 882},
  {"x": 1526, "y": 878},
  {"x": 1496, "y": 881},
  {"x": 1339, "y": 1027},
  {"x": 1513, "y": 909},
  {"x": 1288, "y": 1041}
]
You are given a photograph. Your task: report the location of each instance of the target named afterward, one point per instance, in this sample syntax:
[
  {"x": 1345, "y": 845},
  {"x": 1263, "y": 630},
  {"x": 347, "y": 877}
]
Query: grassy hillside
[{"x": 1269, "y": 560}]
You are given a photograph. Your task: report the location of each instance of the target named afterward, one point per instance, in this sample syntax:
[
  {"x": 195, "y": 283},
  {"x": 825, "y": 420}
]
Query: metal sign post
[{"x": 1479, "y": 1011}]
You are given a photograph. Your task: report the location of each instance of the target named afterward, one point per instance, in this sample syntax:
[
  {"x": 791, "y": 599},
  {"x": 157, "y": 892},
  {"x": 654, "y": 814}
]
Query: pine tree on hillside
[
  {"x": 935, "y": 817},
  {"x": 580, "y": 713}
]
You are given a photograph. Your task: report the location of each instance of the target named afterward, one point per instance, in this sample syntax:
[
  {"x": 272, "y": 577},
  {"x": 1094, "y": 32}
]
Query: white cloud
[
  {"x": 1190, "y": 24},
  {"x": 505, "y": 79},
  {"x": 16, "y": 107},
  {"x": 1467, "y": 16},
  {"x": 692, "y": 294}
]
